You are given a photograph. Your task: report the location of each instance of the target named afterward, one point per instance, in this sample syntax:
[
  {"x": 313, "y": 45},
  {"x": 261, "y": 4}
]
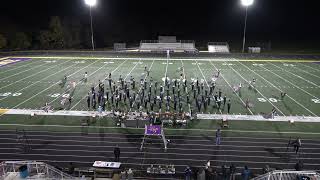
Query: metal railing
[
  {"x": 287, "y": 175},
  {"x": 36, "y": 170}
]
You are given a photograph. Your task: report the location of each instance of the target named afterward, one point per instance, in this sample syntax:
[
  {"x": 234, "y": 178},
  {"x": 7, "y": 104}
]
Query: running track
[{"x": 60, "y": 148}]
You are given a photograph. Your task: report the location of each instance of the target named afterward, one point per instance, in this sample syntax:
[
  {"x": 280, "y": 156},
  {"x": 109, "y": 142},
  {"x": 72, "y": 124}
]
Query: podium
[{"x": 154, "y": 130}]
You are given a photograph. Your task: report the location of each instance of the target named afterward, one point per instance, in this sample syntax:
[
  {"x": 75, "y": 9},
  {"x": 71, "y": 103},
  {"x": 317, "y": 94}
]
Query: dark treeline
[{"x": 66, "y": 33}]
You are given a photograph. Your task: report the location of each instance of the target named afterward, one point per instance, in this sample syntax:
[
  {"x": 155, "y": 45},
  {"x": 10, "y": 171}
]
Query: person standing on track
[
  {"x": 88, "y": 100},
  {"x": 188, "y": 173},
  {"x": 232, "y": 171},
  {"x": 229, "y": 106},
  {"x": 116, "y": 152},
  {"x": 85, "y": 77},
  {"x": 273, "y": 112},
  {"x": 246, "y": 173},
  {"x": 297, "y": 145},
  {"x": 218, "y": 136}
]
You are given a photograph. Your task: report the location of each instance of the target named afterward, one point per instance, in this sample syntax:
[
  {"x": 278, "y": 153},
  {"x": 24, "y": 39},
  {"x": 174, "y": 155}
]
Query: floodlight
[
  {"x": 91, "y": 2},
  {"x": 247, "y": 2}
]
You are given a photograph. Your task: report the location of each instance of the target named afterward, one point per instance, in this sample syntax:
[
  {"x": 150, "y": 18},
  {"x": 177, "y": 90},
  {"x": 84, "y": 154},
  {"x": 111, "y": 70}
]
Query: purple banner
[
  {"x": 152, "y": 130},
  {"x": 9, "y": 61}
]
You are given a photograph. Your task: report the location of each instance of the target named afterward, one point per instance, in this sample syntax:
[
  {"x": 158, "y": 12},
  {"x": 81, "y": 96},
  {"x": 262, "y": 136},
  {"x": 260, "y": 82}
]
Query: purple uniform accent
[
  {"x": 153, "y": 130},
  {"x": 9, "y": 61}
]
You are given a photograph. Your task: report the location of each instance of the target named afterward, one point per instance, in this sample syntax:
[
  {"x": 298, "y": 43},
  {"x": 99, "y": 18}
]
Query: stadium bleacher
[
  {"x": 158, "y": 46},
  {"x": 218, "y": 47}
]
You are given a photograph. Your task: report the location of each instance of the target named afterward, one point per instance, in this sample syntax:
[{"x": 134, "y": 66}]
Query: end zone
[
  {"x": 3, "y": 111},
  {"x": 9, "y": 60}
]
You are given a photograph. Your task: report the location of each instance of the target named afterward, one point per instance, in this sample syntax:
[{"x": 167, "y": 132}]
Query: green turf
[{"x": 38, "y": 78}]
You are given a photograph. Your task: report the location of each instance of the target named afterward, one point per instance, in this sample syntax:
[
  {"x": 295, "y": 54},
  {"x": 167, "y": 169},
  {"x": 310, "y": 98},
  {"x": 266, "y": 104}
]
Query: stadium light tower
[
  {"x": 245, "y": 3},
  {"x": 91, "y": 3}
]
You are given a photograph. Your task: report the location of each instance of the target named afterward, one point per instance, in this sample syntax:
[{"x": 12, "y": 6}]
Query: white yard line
[
  {"x": 20, "y": 66},
  {"x": 103, "y": 78},
  {"x": 184, "y": 74},
  {"x": 231, "y": 87},
  {"x": 296, "y": 76},
  {"x": 50, "y": 87},
  {"x": 23, "y": 71},
  {"x": 315, "y": 69},
  {"x": 165, "y": 74},
  {"x": 306, "y": 72},
  {"x": 184, "y": 77},
  {"x": 291, "y": 83},
  {"x": 279, "y": 89},
  {"x": 36, "y": 82},
  {"x": 205, "y": 79},
  {"x": 78, "y": 83},
  {"x": 140, "y": 88},
  {"x": 202, "y": 73},
  {"x": 34, "y": 74},
  {"x": 259, "y": 92}
]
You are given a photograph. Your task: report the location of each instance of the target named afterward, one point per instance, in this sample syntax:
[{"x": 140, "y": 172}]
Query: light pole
[
  {"x": 245, "y": 3},
  {"x": 91, "y": 3}
]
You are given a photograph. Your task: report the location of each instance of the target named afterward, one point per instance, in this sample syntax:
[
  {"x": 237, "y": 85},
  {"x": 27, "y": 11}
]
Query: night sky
[{"x": 201, "y": 20}]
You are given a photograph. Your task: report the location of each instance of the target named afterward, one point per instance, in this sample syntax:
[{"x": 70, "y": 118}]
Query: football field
[
  {"x": 31, "y": 82},
  {"x": 28, "y": 83}
]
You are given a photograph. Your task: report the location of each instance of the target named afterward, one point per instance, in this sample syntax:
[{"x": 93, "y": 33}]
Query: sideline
[{"x": 171, "y": 59}]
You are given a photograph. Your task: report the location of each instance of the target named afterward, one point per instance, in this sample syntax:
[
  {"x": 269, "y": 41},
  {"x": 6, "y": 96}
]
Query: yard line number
[
  {"x": 317, "y": 101},
  {"x": 58, "y": 95},
  {"x": 270, "y": 99},
  {"x": 9, "y": 94}
]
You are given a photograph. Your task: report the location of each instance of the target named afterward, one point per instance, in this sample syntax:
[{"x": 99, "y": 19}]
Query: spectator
[
  {"x": 130, "y": 174},
  {"x": 232, "y": 172},
  {"x": 298, "y": 166},
  {"x": 224, "y": 172},
  {"x": 207, "y": 165},
  {"x": 116, "y": 152},
  {"x": 297, "y": 145},
  {"x": 187, "y": 173},
  {"x": 71, "y": 168},
  {"x": 246, "y": 173},
  {"x": 123, "y": 175},
  {"x": 195, "y": 171},
  {"x": 266, "y": 169},
  {"x": 218, "y": 136}
]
